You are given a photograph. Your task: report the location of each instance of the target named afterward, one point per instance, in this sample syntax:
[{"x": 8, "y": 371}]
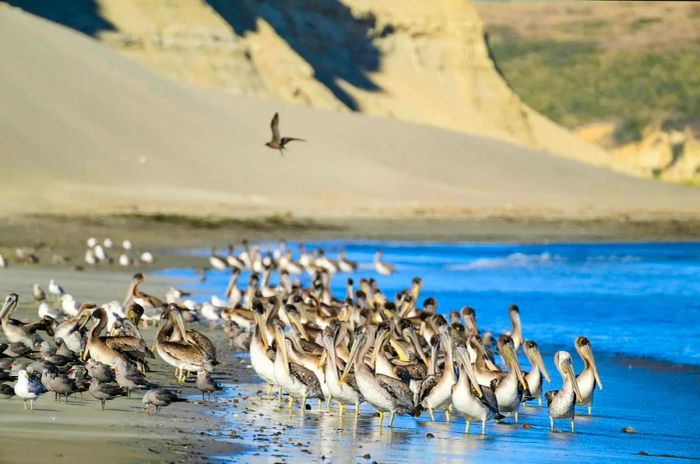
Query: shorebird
[
  {"x": 160, "y": 398},
  {"x": 28, "y": 388},
  {"x": 277, "y": 142},
  {"x": 55, "y": 289},
  {"x": 473, "y": 401},
  {"x": 384, "y": 393},
  {"x": 588, "y": 378},
  {"x": 537, "y": 371},
  {"x": 380, "y": 266},
  {"x": 38, "y": 292},
  {"x": 206, "y": 384},
  {"x": 561, "y": 402},
  {"x": 105, "y": 391}
]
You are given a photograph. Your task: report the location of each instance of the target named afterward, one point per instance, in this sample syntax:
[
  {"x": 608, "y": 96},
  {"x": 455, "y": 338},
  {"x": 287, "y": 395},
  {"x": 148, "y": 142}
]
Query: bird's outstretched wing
[
  {"x": 286, "y": 140},
  {"x": 275, "y": 126}
]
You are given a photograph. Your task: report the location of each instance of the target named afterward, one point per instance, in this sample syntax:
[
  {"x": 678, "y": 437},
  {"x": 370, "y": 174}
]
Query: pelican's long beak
[
  {"x": 569, "y": 372},
  {"x": 261, "y": 327},
  {"x": 588, "y": 354},
  {"x": 416, "y": 346},
  {"x": 537, "y": 357},
  {"x": 281, "y": 344},
  {"x": 379, "y": 343},
  {"x": 300, "y": 327},
  {"x": 353, "y": 355},
  {"x": 464, "y": 357},
  {"x": 511, "y": 356}
]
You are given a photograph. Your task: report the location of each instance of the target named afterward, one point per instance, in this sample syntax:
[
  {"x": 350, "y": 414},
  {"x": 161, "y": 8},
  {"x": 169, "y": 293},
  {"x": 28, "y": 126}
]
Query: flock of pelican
[{"x": 393, "y": 354}]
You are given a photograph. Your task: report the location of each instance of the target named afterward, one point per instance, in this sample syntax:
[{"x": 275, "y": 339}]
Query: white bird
[
  {"x": 126, "y": 244},
  {"x": 210, "y": 313},
  {"x": 46, "y": 310},
  {"x": 147, "y": 257},
  {"x": 219, "y": 302},
  {"x": 380, "y": 266},
  {"x": 124, "y": 260},
  {"x": 3, "y": 262},
  {"x": 90, "y": 258},
  {"x": 100, "y": 253},
  {"x": 108, "y": 243},
  {"x": 69, "y": 306},
  {"x": 55, "y": 289},
  {"x": 91, "y": 242},
  {"x": 28, "y": 388}
]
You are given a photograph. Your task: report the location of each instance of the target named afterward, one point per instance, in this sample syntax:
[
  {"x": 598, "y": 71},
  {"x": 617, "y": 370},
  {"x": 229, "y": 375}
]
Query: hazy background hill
[
  {"x": 624, "y": 75},
  {"x": 85, "y": 129}
]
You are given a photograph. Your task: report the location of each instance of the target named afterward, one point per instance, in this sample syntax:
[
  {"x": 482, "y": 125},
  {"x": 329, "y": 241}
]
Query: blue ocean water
[{"x": 640, "y": 299}]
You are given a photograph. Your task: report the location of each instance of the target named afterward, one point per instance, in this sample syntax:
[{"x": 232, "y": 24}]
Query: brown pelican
[
  {"x": 137, "y": 296},
  {"x": 107, "y": 349},
  {"x": 297, "y": 380},
  {"x": 263, "y": 364},
  {"x": 181, "y": 355},
  {"x": 508, "y": 389},
  {"x": 343, "y": 393},
  {"x": 561, "y": 402},
  {"x": 537, "y": 370},
  {"x": 517, "y": 332},
  {"x": 70, "y": 330},
  {"x": 17, "y": 331},
  {"x": 385, "y": 393},
  {"x": 588, "y": 378},
  {"x": 474, "y": 402},
  {"x": 380, "y": 266},
  {"x": 438, "y": 398}
]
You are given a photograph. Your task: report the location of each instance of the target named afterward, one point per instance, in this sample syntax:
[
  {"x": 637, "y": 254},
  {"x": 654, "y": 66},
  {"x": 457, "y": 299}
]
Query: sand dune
[{"x": 83, "y": 129}]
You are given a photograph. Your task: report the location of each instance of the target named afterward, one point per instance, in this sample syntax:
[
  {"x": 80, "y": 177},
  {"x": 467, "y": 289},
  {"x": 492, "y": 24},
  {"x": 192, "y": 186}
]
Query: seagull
[
  {"x": 55, "y": 289},
  {"x": 277, "y": 142}
]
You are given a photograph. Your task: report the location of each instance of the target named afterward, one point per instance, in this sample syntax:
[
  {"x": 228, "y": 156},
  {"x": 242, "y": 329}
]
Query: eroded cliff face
[{"x": 412, "y": 60}]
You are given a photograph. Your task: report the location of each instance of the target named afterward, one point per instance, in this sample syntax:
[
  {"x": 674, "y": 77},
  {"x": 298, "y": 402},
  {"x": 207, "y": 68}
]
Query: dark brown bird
[{"x": 277, "y": 142}]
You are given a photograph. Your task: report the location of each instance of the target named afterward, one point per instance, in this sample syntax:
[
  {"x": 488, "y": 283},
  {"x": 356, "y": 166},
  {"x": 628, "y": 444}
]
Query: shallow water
[{"x": 636, "y": 299}]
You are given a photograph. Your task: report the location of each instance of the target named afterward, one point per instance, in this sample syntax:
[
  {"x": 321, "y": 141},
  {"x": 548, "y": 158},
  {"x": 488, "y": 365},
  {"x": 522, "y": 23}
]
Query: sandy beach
[{"x": 241, "y": 424}]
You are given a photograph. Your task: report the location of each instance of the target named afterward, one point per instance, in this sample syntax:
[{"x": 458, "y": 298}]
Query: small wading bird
[{"x": 278, "y": 142}]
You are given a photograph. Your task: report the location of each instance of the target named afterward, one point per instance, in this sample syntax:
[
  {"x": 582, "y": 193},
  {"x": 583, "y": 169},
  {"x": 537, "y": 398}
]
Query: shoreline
[{"x": 58, "y": 231}]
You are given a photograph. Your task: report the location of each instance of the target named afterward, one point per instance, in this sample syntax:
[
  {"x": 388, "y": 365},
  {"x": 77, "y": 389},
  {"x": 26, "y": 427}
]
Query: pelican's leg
[
  {"x": 447, "y": 415},
  {"x": 391, "y": 419},
  {"x": 341, "y": 409},
  {"x": 483, "y": 427},
  {"x": 551, "y": 423},
  {"x": 467, "y": 424},
  {"x": 269, "y": 390},
  {"x": 25, "y": 405},
  {"x": 516, "y": 416},
  {"x": 290, "y": 403},
  {"x": 279, "y": 394},
  {"x": 320, "y": 404},
  {"x": 432, "y": 417},
  {"x": 31, "y": 405},
  {"x": 328, "y": 403},
  {"x": 590, "y": 407},
  {"x": 357, "y": 410},
  {"x": 572, "y": 424},
  {"x": 381, "y": 420},
  {"x": 303, "y": 404}
]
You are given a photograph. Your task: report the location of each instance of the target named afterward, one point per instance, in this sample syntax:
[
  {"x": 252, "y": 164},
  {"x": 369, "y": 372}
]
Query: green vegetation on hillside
[{"x": 576, "y": 82}]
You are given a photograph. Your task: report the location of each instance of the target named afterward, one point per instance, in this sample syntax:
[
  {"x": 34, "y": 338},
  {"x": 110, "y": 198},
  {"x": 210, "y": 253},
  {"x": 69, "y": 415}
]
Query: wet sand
[
  {"x": 79, "y": 431},
  {"x": 241, "y": 424}
]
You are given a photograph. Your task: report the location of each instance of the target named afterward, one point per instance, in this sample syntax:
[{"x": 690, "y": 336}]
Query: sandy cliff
[{"x": 85, "y": 129}]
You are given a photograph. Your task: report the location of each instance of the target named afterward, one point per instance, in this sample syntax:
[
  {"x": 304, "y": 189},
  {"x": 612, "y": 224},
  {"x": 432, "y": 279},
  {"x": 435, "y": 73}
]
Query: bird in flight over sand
[{"x": 277, "y": 142}]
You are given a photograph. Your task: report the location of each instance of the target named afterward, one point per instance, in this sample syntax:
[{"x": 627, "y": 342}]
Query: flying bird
[{"x": 277, "y": 142}]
